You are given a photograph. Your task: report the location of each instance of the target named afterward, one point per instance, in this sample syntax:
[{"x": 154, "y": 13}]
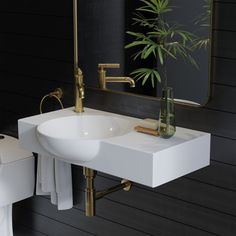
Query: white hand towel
[
  {"x": 54, "y": 178},
  {"x": 63, "y": 179}
]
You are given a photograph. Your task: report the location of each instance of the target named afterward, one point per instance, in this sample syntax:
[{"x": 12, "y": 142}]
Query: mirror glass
[{"x": 103, "y": 27}]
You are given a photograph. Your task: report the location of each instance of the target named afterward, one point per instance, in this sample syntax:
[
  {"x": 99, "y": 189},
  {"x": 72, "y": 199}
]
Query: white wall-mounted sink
[
  {"x": 120, "y": 151},
  {"x": 78, "y": 138}
]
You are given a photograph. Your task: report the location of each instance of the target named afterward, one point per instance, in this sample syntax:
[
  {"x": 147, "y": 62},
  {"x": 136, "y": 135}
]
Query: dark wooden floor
[{"x": 36, "y": 57}]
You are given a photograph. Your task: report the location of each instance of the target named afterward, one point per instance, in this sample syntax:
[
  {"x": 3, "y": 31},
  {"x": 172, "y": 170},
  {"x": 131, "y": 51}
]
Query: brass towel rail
[{"x": 57, "y": 94}]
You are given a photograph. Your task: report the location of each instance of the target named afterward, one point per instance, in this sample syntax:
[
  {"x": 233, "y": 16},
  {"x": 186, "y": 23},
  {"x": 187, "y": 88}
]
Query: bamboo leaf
[
  {"x": 149, "y": 4},
  {"x": 157, "y": 75},
  {"x": 160, "y": 39},
  {"x": 149, "y": 51},
  {"x": 146, "y": 77},
  {"x": 136, "y": 43}
]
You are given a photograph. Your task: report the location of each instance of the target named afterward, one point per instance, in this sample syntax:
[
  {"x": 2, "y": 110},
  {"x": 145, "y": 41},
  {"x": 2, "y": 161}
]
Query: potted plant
[{"x": 159, "y": 40}]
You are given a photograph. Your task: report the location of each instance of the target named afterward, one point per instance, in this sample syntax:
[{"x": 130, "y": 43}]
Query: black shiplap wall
[{"x": 36, "y": 57}]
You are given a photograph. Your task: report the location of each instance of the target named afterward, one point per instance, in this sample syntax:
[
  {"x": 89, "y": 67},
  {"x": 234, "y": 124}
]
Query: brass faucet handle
[{"x": 102, "y": 66}]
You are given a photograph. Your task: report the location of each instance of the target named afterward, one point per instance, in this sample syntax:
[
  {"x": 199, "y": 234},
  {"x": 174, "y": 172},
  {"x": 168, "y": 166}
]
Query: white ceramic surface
[
  {"x": 16, "y": 179},
  {"x": 141, "y": 158},
  {"x": 78, "y": 138}
]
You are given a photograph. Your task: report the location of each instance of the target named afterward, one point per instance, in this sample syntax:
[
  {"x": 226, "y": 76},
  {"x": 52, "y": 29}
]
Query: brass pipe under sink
[
  {"x": 89, "y": 191},
  {"x": 91, "y": 195}
]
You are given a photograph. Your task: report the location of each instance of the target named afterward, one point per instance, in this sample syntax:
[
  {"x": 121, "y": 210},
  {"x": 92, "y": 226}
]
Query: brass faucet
[
  {"x": 79, "y": 91},
  {"x": 78, "y": 75},
  {"x": 103, "y": 79}
]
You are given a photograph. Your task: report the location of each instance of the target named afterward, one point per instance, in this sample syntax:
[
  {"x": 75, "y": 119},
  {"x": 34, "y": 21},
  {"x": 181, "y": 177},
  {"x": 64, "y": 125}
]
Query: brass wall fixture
[
  {"x": 104, "y": 79},
  {"x": 79, "y": 91},
  {"x": 78, "y": 75},
  {"x": 91, "y": 195},
  {"x": 57, "y": 94}
]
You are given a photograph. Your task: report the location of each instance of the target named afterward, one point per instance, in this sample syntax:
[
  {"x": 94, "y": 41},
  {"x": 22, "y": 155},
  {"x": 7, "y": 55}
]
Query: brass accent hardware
[
  {"x": 147, "y": 130},
  {"x": 103, "y": 79},
  {"x": 79, "y": 91},
  {"x": 91, "y": 195},
  {"x": 89, "y": 191},
  {"x": 125, "y": 185},
  {"x": 78, "y": 75},
  {"x": 57, "y": 93},
  {"x": 108, "y": 65}
]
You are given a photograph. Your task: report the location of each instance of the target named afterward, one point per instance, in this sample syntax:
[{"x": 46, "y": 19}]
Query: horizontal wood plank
[
  {"x": 35, "y": 67},
  {"x": 75, "y": 218},
  {"x": 44, "y": 7},
  {"x": 222, "y": 96},
  {"x": 224, "y": 45},
  {"x": 223, "y": 150},
  {"x": 224, "y": 13},
  {"x": 176, "y": 210},
  {"x": 36, "y": 25},
  {"x": 20, "y": 230},
  {"x": 224, "y": 71},
  {"x": 181, "y": 200},
  {"x": 45, "y": 225},
  {"x": 48, "y": 48}
]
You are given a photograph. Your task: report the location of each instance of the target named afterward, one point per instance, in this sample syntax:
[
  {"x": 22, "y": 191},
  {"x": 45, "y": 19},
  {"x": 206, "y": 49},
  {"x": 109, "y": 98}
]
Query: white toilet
[{"x": 16, "y": 179}]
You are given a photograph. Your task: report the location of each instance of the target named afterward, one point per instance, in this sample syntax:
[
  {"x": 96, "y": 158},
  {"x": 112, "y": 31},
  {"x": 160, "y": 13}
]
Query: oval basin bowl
[{"x": 77, "y": 139}]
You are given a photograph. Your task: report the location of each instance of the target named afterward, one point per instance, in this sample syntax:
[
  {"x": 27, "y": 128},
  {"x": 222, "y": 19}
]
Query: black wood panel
[
  {"x": 47, "y": 48},
  {"x": 224, "y": 71},
  {"x": 75, "y": 218},
  {"x": 36, "y": 56},
  {"x": 38, "y": 68},
  {"x": 45, "y": 225},
  {"x": 200, "y": 194},
  {"x": 31, "y": 86},
  {"x": 40, "y": 25},
  {"x": 43, "y": 7},
  {"x": 206, "y": 195},
  {"x": 20, "y": 230},
  {"x": 175, "y": 209},
  {"x": 172, "y": 201},
  {"x": 222, "y": 95},
  {"x": 218, "y": 174},
  {"x": 224, "y": 45},
  {"x": 142, "y": 220},
  {"x": 227, "y": 12},
  {"x": 223, "y": 150}
]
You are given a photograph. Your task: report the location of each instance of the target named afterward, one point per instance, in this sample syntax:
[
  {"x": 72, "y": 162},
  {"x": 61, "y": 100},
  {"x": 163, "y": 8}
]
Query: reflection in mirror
[{"x": 102, "y": 36}]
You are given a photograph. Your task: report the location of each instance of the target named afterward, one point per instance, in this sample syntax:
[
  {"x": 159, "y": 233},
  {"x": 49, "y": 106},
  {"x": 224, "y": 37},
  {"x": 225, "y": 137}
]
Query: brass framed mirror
[{"x": 102, "y": 38}]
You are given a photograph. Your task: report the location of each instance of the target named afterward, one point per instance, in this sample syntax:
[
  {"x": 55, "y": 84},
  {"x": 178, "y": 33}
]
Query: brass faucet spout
[
  {"x": 121, "y": 80},
  {"x": 104, "y": 79}
]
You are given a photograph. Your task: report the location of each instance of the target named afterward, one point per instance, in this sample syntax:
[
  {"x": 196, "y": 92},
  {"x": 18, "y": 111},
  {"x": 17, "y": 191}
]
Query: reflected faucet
[{"x": 103, "y": 79}]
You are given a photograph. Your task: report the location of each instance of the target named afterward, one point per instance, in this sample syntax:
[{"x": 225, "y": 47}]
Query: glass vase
[{"x": 167, "y": 113}]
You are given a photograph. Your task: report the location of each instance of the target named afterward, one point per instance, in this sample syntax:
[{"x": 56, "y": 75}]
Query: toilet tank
[{"x": 17, "y": 177}]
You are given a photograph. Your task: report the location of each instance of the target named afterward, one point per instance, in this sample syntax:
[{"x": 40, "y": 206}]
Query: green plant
[
  {"x": 203, "y": 21},
  {"x": 158, "y": 39}
]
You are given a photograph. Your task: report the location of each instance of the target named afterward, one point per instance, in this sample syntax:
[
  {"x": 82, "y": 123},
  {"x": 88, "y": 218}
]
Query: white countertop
[{"x": 141, "y": 158}]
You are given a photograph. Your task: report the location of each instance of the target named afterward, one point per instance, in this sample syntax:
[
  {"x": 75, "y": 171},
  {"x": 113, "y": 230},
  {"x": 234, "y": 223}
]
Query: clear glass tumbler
[{"x": 167, "y": 113}]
